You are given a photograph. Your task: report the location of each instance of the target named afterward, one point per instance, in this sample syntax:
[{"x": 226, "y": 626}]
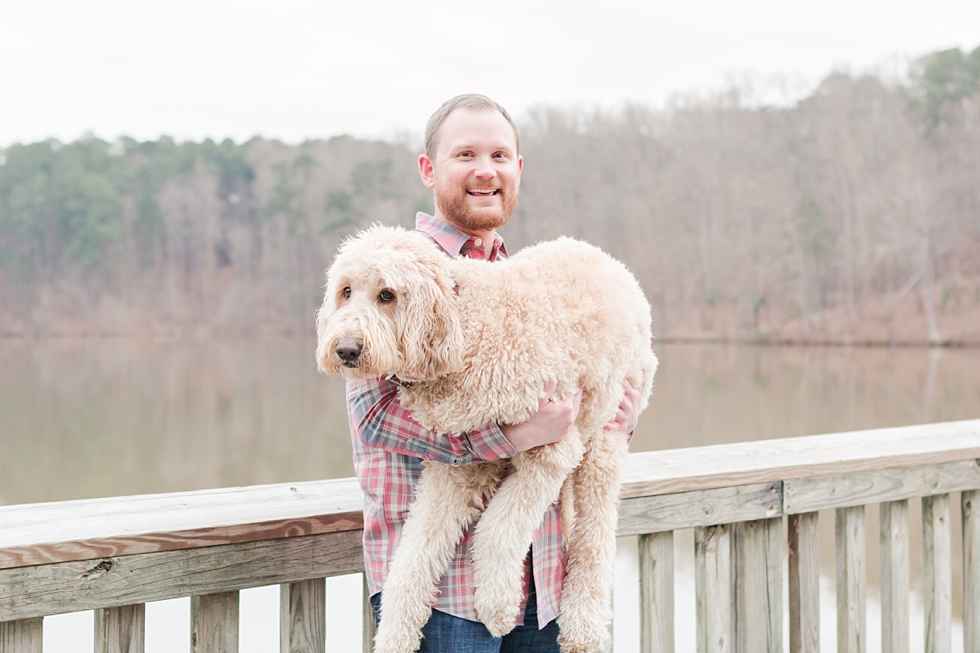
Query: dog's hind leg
[
  {"x": 585, "y": 599},
  {"x": 504, "y": 533},
  {"x": 446, "y": 502}
]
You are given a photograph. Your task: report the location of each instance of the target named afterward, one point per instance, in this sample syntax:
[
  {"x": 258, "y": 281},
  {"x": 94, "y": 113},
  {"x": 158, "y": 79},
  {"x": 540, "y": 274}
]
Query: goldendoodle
[{"x": 471, "y": 342}]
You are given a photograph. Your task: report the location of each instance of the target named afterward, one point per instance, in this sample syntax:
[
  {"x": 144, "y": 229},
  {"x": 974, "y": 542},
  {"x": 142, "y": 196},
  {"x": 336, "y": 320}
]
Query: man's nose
[{"x": 484, "y": 168}]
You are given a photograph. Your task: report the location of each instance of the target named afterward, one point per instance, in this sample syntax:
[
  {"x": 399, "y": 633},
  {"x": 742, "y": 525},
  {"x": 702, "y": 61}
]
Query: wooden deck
[{"x": 747, "y": 503}]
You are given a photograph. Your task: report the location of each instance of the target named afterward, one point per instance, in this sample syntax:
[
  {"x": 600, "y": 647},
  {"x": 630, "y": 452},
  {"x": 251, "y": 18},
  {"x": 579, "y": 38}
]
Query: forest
[{"x": 849, "y": 216}]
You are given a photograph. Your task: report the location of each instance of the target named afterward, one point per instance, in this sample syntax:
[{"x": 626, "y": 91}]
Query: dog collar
[{"x": 405, "y": 384}]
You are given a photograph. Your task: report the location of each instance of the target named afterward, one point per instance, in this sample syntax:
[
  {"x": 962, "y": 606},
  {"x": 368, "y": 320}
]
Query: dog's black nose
[{"x": 348, "y": 350}]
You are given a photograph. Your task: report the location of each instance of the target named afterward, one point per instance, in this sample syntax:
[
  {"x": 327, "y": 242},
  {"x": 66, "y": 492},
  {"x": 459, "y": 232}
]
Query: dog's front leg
[
  {"x": 504, "y": 533},
  {"x": 591, "y": 556},
  {"x": 447, "y": 501}
]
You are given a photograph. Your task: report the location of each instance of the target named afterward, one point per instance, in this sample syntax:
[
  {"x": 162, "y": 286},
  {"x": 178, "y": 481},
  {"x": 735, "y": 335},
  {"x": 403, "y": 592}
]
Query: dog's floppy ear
[{"x": 432, "y": 339}]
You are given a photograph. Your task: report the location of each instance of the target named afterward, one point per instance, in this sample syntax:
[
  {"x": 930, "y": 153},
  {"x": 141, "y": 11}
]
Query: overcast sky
[{"x": 296, "y": 70}]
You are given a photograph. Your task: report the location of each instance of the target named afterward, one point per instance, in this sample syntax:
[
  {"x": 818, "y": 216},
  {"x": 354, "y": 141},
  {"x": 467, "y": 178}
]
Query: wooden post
[
  {"x": 937, "y": 581},
  {"x": 758, "y": 558},
  {"x": 971, "y": 571},
  {"x": 713, "y": 587},
  {"x": 894, "y": 532},
  {"x": 303, "y": 616},
  {"x": 21, "y": 636},
  {"x": 120, "y": 630},
  {"x": 656, "y": 554},
  {"x": 804, "y": 583},
  {"x": 214, "y": 623},
  {"x": 368, "y": 625},
  {"x": 852, "y": 621}
]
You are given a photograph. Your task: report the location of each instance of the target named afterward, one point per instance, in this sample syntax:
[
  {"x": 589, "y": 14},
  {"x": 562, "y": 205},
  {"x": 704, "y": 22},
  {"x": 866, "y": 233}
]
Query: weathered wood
[
  {"x": 214, "y": 623},
  {"x": 804, "y": 583},
  {"x": 656, "y": 558},
  {"x": 937, "y": 582},
  {"x": 93, "y": 529},
  {"x": 110, "y": 582},
  {"x": 672, "y": 512},
  {"x": 368, "y": 624},
  {"x": 120, "y": 630},
  {"x": 864, "y": 488},
  {"x": 713, "y": 589},
  {"x": 303, "y": 616},
  {"x": 852, "y": 621},
  {"x": 34, "y": 534},
  {"x": 758, "y": 581},
  {"x": 969, "y": 503},
  {"x": 23, "y": 636},
  {"x": 766, "y": 461},
  {"x": 894, "y": 532}
]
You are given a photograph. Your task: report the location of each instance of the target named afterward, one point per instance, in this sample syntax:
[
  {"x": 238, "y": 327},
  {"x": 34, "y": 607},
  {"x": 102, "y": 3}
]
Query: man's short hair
[{"x": 471, "y": 101}]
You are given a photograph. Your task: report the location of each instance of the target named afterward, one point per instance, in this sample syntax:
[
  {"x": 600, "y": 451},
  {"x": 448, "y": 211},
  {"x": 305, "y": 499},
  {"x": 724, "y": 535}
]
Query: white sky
[{"x": 298, "y": 69}]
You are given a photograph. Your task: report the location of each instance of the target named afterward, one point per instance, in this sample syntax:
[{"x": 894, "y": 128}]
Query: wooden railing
[{"x": 114, "y": 555}]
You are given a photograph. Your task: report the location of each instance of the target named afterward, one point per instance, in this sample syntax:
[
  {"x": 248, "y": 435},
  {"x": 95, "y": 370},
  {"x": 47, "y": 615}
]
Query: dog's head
[{"x": 389, "y": 308}]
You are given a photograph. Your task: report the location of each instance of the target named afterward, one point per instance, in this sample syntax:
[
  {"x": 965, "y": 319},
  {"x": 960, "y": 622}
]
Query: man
[{"x": 473, "y": 165}]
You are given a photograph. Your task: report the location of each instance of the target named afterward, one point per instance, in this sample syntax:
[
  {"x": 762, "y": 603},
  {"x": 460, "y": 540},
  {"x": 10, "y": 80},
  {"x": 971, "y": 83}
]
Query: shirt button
[
  {"x": 454, "y": 460},
  {"x": 478, "y": 242}
]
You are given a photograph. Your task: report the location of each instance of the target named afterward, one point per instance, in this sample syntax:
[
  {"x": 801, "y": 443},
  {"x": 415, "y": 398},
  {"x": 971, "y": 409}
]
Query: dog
[{"x": 470, "y": 342}]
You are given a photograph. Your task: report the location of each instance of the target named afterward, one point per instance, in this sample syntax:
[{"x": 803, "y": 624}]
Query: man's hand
[
  {"x": 548, "y": 424},
  {"x": 628, "y": 414}
]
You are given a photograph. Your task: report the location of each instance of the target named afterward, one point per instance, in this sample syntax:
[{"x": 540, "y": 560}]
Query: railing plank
[
  {"x": 864, "y": 488},
  {"x": 852, "y": 621},
  {"x": 369, "y": 626},
  {"x": 713, "y": 588},
  {"x": 670, "y": 512},
  {"x": 22, "y": 636},
  {"x": 804, "y": 583},
  {"x": 46, "y": 533},
  {"x": 92, "y": 529},
  {"x": 971, "y": 571},
  {"x": 937, "y": 582},
  {"x": 656, "y": 558},
  {"x": 88, "y": 585},
  {"x": 214, "y": 623},
  {"x": 765, "y": 461},
  {"x": 894, "y": 532},
  {"x": 303, "y": 616},
  {"x": 120, "y": 630},
  {"x": 758, "y": 566}
]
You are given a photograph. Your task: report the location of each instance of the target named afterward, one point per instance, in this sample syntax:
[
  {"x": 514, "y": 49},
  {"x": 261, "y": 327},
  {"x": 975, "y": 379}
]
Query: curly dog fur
[{"x": 474, "y": 342}]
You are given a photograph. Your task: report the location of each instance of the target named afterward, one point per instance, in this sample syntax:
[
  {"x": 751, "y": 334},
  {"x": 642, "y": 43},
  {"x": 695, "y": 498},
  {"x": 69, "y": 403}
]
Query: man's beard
[{"x": 461, "y": 215}]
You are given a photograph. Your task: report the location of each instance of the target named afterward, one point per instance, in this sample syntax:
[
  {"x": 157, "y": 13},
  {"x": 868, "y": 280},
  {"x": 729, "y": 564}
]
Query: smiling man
[{"x": 473, "y": 165}]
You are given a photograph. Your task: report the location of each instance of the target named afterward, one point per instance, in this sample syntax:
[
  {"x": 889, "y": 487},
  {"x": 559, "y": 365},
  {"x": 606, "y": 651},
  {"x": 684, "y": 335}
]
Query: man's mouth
[{"x": 482, "y": 192}]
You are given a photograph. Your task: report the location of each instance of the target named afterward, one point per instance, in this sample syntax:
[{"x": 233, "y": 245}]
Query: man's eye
[
  {"x": 347, "y": 292},
  {"x": 386, "y": 296}
]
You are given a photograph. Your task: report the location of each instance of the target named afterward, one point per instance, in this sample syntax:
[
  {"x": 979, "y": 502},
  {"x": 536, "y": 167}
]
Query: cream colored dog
[{"x": 471, "y": 342}]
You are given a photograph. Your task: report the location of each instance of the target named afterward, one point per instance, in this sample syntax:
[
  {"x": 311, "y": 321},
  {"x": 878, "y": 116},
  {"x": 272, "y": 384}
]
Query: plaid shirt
[{"x": 389, "y": 447}]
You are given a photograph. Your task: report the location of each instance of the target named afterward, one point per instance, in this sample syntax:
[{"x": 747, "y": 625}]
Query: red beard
[{"x": 458, "y": 213}]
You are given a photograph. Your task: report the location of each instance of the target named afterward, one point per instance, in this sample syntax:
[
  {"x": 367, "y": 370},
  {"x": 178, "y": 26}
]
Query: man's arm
[{"x": 380, "y": 421}]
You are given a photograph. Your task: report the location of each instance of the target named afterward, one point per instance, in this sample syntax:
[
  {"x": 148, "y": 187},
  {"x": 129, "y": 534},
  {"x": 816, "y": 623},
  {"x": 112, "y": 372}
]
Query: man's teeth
[{"x": 483, "y": 192}]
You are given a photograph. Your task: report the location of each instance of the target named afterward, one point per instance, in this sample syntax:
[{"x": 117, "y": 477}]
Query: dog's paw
[
  {"x": 573, "y": 644},
  {"x": 391, "y": 640},
  {"x": 499, "y": 624},
  {"x": 500, "y": 617}
]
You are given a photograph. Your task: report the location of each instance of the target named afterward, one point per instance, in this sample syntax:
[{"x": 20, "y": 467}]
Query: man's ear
[{"x": 426, "y": 171}]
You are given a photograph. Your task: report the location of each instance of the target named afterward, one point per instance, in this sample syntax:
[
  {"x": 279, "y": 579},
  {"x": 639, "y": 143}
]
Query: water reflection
[{"x": 94, "y": 418}]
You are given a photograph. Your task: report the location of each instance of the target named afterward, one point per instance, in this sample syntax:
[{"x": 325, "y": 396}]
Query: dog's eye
[
  {"x": 386, "y": 296},
  {"x": 347, "y": 292}
]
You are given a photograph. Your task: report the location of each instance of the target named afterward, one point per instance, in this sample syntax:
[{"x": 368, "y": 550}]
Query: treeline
[{"x": 852, "y": 215}]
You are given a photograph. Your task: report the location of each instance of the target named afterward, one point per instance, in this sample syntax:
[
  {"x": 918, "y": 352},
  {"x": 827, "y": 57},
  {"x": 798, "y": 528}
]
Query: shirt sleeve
[{"x": 379, "y": 421}]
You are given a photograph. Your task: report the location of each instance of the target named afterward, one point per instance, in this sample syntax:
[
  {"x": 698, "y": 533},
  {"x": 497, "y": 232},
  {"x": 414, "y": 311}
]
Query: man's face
[{"x": 475, "y": 172}]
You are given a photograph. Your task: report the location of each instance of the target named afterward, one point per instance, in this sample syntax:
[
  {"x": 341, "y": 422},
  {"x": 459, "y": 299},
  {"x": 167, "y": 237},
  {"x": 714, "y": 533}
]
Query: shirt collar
[{"x": 450, "y": 238}]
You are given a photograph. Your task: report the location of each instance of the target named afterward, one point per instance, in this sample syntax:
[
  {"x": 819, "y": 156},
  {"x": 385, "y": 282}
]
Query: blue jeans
[{"x": 445, "y": 633}]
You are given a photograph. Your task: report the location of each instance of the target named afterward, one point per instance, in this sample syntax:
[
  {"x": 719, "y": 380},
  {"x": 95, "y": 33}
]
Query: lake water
[{"x": 92, "y": 418}]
